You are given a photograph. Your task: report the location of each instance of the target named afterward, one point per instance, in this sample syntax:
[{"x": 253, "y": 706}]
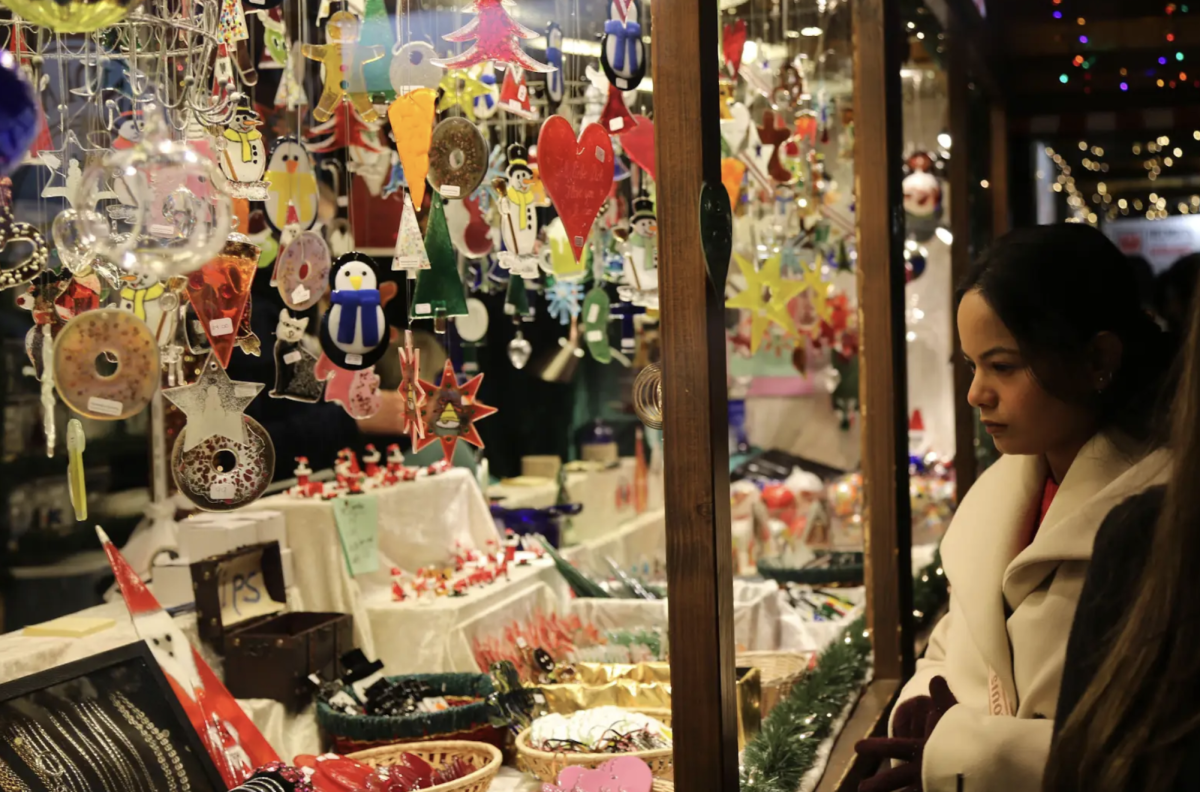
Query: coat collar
[{"x": 983, "y": 548}]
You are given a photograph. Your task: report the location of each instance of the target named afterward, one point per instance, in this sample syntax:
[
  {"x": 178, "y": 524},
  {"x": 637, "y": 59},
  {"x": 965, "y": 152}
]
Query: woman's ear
[{"x": 1104, "y": 359}]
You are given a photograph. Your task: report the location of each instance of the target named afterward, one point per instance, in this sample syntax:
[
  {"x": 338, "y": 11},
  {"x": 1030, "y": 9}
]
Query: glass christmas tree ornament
[{"x": 439, "y": 293}]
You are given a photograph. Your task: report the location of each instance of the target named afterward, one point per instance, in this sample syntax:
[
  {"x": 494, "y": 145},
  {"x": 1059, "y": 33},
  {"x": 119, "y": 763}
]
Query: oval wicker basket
[
  {"x": 485, "y": 757},
  {"x": 780, "y": 671},
  {"x": 546, "y": 766}
]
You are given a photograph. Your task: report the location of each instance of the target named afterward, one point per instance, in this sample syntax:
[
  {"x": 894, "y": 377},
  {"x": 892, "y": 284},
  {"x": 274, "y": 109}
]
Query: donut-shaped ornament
[
  {"x": 106, "y": 364},
  {"x": 354, "y": 333},
  {"x": 220, "y": 475},
  {"x": 458, "y": 158},
  {"x": 302, "y": 272},
  {"x": 222, "y": 459}
]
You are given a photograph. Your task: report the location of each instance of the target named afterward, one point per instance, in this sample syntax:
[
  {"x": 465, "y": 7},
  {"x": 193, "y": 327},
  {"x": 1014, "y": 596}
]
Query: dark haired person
[
  {"x": 1129, "y": 713},
  {"x": 1067, "y": 369}
]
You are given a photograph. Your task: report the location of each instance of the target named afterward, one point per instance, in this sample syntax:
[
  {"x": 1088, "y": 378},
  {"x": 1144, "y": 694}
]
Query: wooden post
[
  {"x": 957, "y": 68},
  {"x": 1000, "y": 164},
  {"x": 695, "y": 412},
  {"x": 883, "y": 381}
]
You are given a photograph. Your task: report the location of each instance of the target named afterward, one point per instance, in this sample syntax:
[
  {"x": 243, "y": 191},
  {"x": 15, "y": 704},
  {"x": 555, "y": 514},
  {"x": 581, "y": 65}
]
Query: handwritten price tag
[{"x": 357, "y": 518}]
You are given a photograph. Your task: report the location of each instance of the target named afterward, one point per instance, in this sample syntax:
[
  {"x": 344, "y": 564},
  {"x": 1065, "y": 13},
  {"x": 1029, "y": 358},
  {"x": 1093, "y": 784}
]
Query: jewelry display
[
  {"x": 93, "y": 714},
  {"x": 158, "y": 740},
  {"x": 10, "y": 781},
  {"x": 87, "y": 752}
]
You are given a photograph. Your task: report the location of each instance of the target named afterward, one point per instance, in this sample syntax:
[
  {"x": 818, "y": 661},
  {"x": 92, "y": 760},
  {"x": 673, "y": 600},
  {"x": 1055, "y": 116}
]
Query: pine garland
[{"x": 786, "y": 746}]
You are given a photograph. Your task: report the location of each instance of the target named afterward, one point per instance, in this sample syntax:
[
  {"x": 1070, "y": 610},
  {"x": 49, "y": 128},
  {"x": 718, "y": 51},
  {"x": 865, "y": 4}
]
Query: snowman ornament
[
  {"x": 354, "y": 333},
  {"x": 243, "y": 157},
  {"x": 641, "y": 256},
  {"x": 518, "y": 215}
]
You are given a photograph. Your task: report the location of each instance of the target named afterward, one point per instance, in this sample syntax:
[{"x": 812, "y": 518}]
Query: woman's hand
[{"x": 913, "y": 722}]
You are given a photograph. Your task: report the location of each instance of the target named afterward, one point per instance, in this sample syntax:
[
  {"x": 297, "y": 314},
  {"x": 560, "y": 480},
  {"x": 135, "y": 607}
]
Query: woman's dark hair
[
  {"x": 1134, "y": 726},
  {"x": 1057, "y": 287}
]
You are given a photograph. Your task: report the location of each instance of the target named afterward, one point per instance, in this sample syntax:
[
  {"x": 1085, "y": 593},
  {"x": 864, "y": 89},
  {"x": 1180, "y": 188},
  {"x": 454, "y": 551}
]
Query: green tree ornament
[{"x": 439, "y": 293}]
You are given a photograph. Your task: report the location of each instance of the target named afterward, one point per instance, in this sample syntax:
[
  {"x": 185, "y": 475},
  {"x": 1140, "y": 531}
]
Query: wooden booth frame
[{"x": 696, "y": 463}]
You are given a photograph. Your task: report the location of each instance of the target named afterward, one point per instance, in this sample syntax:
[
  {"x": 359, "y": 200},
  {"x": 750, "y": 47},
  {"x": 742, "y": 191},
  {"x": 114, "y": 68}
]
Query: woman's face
[{"x": 1019, "y": 414}]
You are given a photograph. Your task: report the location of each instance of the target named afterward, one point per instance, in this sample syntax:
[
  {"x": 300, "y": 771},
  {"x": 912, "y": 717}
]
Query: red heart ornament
[
  {"x": 577, "y": 175},
  {"x": 638, "y": 142},
  {"x": 732, "y": 44}
]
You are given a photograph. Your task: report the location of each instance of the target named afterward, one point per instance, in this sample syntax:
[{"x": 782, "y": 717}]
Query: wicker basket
[
  {"x": 546, "y": 766},
  {"x": 485, "y": 757},
  {"x": 469, "y": 721},
  {"x": 780, "y": 670}
]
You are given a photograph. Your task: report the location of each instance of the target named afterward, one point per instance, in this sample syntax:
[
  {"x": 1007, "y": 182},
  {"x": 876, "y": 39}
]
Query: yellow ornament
[
  {"x": 75, "y": 16},
  {"x": 76, "y": 442},
  {"x": 766, "y": 296},
  {"x": 343, "y": 58},
  {"x": 818, "y": 289},
  {"x": 460, "y": 89}
]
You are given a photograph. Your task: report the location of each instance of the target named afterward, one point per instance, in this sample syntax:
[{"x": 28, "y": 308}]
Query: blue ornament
[{"x": 19, "y": 114}]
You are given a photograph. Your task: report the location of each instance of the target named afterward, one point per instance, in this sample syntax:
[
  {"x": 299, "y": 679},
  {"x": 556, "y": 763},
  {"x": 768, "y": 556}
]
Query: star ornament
[
  {"x": 460, "y": 89},
  {"x": 451, "y": 411},
  {"x": 412, "y": 393},
  {"x": 766, "y": 297},
  {"x": 818, "y": 290},
  {"x": 213, "y": 405}
]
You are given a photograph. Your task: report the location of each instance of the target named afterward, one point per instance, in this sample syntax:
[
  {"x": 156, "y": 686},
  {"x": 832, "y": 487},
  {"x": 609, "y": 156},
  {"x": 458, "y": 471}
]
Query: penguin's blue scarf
[{"x": 364, "y": 302}]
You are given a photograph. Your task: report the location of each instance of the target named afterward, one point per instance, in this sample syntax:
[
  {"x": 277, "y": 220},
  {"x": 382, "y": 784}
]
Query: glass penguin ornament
[
  {"x": 554, "y": 56},
  {"x": 343, "y": 58},
  {"x": 623, "y": 54},
  {"x": 354, "y": 333},
  {"x": 292, "y": 186},
  {"x": 243, "y": 155}
]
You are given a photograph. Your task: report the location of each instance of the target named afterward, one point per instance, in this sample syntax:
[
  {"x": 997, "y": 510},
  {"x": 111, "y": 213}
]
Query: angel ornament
[
  {"x": 641, "y": 256},
  {"x": 518, "y": 215}
]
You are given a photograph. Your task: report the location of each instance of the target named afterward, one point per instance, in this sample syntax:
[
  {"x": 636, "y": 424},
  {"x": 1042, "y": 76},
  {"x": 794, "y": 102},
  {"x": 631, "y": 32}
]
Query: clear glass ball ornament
[{"x": 154, "y": 208}]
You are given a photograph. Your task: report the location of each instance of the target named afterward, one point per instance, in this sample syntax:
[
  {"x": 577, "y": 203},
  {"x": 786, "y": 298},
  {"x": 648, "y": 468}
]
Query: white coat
[{"x": 1005, "y": 668}]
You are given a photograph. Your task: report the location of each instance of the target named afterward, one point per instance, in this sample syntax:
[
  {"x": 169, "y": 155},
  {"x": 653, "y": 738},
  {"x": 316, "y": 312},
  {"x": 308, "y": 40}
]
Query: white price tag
[
  {"x": 450, "y": 190},
  {"x": 406, "y": 262},
  {"x": 222, "y": 490},
  {"x": 522, "y": 92},
  {"x": 595, "y": 335},
  {"x": 242, "y": 390},
  {"x": 617, "y": 124},
  {"x": 422, "y": 309},
  {"x": 300, "y": 294},
  {"x": 593, "y": 313},
  {"x": 600, "y": 155},
  {"x": 579, "y": 241},
  {"x": 161, "y": 230},
  {"x": 353, "y": 359},
  {"x": 105, "y": 406},
  {"x": 292, "y": 357},
  {"x": 622, "y": 83},
  {"x": 220, "y": 327}
]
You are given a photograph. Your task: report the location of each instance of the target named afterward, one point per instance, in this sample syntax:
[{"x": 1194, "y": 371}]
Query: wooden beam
[
  {"x": 960, "y": 252},
  {"x": 695, "y": 413},
  {"x": 883, "y": 379},
  {"x": 1001, "y": 212}
]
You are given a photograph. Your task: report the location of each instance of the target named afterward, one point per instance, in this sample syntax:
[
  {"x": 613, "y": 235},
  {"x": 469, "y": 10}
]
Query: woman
[
  {"x": 1066, "y": 369},
  {"x": 1129, "y": 713}
]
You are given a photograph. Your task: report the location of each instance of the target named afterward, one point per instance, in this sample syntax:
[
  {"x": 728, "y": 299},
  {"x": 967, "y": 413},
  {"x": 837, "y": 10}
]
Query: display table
[
  {"x": 606, "y": 497},
  {"x": 420, "y": 523},
  {"x": 21, "y": 655}
]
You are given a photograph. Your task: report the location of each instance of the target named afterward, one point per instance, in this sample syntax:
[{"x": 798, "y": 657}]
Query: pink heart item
[
  {"x": 577, "y": 174},
  {"x": 638, "y": 142},
  {"x": 626, "y": 773}
]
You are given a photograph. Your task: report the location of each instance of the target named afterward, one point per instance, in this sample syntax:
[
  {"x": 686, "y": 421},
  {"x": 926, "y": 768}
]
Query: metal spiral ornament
[{"x": 647, "y": 396}]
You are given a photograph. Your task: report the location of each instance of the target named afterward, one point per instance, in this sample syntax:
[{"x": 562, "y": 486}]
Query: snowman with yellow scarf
[
  {"x": 518, "y": 214},
  {"x": 243, "y": 157},
  {"x": 141, "y": 295}
]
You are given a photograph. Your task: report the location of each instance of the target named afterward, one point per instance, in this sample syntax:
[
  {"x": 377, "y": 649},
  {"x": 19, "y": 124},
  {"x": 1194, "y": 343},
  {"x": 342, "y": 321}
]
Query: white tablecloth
[{"x": 420, "y": 523}]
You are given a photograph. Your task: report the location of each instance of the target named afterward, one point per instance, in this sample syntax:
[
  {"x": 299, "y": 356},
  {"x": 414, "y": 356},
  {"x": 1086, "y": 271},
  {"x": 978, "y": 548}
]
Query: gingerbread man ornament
[{"x": 343, "y": 58}]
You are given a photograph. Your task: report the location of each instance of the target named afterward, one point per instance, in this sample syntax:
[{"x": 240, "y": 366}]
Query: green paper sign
[
  {"x": 357, "y": 518},
  {"x": 716, "y": 233}
]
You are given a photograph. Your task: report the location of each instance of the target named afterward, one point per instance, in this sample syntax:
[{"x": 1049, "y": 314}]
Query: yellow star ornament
[
  {"x": 766, "y": 296},
  {"x": 819, "y": 288},
  {"x": 460, "y": 88}
]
